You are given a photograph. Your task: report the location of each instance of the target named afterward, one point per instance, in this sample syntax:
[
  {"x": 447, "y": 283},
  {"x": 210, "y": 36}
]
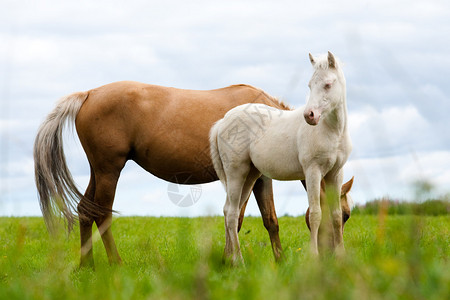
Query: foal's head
[{"x": 327, "y": 87}]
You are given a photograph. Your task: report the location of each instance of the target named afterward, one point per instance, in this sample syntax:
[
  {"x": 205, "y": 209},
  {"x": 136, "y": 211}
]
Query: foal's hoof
[
  {"x": 314, "y": 251},
  {"x": 340, "y": 251},
  {"x": 233, "y": 261}
]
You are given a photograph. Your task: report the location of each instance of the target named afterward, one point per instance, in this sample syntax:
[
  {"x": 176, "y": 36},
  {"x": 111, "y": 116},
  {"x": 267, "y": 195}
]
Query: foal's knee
[
  {"x": 315, "y": 216},
  {"x": 231, "y": 217}
]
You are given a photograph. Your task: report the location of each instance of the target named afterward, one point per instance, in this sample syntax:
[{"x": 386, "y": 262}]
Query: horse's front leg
[
  {"x": 333, "y": 183},
  {"x": 313, "y": 178}
]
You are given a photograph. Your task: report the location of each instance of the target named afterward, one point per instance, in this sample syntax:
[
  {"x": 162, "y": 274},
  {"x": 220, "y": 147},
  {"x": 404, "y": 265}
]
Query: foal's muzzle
[{"x": 311, "y": 116}]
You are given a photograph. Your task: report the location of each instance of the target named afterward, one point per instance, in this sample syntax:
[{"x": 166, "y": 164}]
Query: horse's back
[
  {"x": 146, "y": 106},
  {"x": 163, "y": 129},
  {"x": 118, "y": 94}
]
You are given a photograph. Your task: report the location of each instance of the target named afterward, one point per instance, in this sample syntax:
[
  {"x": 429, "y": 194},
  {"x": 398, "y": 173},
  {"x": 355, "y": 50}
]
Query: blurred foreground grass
[{"x": 388, "y": 257}]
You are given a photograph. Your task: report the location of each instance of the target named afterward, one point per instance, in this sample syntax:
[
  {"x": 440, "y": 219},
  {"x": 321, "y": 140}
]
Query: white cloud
[{"x": 390, "y": 131}]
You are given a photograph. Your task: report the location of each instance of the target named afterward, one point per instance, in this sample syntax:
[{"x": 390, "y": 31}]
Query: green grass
[{"x": 388, "y": 257}]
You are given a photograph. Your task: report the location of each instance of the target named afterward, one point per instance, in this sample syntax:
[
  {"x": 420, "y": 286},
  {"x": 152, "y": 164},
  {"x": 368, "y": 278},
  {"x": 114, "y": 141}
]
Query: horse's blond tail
[
  {"x": 215, "y": 155},
  {"x": 57, "y": 192}
]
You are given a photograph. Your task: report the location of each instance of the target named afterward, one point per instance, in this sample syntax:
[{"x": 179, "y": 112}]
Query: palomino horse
[
  {"x": 255, "y": 139},
  {"x": 164, "y": 130}
]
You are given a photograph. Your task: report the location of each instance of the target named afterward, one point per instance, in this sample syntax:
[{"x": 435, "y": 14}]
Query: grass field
[{"x": 388, "y": 257}]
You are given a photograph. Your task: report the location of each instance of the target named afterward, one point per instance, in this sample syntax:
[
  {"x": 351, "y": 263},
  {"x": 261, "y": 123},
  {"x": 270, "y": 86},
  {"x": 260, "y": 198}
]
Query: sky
[{"x": 396, "y": 57}]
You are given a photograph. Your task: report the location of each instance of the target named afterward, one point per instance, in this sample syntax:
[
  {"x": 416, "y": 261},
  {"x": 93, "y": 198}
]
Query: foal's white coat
[{"x": 254, "y": 139}]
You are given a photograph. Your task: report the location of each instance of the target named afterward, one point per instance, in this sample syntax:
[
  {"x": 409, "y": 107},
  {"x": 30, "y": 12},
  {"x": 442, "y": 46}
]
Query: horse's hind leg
[
  {"x": 241, "y": 215},
  {"x": 248, "y": 186},
  {"x": 104, "y": 196},
  {"x": 263, "y": 192},
  {"x": 238, "y": 191},
  {"x": 86, "y": 220}
]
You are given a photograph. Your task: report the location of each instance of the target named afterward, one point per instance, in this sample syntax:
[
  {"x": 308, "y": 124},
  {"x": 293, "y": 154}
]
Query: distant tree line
[{"x": 432, "y": 207}]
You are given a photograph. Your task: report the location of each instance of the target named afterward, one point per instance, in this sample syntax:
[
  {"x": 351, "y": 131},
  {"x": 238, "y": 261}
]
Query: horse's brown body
[{"x": 164, "y": 130}]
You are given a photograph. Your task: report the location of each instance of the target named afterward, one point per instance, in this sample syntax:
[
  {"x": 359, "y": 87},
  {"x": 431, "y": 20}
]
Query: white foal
[{"x": 255, "y": 139}]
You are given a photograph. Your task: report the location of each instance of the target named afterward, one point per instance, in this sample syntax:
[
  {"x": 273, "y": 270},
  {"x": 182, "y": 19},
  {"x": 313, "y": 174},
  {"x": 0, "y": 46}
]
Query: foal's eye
[{"x": 327, "y": 86}]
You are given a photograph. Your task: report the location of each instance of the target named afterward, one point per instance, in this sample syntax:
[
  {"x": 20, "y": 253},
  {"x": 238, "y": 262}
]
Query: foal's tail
[
  {"x": 58, "y": 194},
  {"x": 215, "y": 155}
]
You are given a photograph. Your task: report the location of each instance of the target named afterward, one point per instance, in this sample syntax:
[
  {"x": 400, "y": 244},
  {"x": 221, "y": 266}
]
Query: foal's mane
[{"x": 275, "y": 102}]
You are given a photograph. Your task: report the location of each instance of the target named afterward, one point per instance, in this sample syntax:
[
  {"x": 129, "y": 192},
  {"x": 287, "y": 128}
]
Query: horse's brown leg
[
  {"x": 248, "y": 187},
  {"x": 241, "y": 216},
  {"x": 104, "y": 196},
  {"x": 264, "y": 197},
  {"x": 86, "y": 221}
]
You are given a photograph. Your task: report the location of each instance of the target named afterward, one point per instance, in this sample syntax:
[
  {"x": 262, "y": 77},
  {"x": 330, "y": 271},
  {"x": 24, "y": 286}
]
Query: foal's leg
[
  {"x": 263, "y": 192},
  {"x": 231, "y": 213},
  {"x": 333, "y": 183},
  {"x": 313, "y": 178},
  {"x": 238, "y": 190},
  {"x": 86, "y": 221}
]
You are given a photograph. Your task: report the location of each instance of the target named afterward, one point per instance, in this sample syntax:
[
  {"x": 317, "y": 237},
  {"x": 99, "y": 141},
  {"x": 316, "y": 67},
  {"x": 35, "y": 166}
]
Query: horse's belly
[
  {"x": 277, "y": 165},
  {"x": 191, "y": 165},
  {"x": 285, "y": 176}
]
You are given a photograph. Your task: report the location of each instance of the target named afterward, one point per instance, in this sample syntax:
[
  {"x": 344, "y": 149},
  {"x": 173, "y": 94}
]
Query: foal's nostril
[{"x": 311, "y": 116}]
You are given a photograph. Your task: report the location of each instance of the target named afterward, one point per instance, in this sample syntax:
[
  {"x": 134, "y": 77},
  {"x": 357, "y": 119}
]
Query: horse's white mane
[{"x": 321, "y": 62}]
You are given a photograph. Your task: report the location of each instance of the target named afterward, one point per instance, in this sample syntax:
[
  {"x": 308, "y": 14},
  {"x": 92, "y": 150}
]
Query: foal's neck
[{"x": 337, "y": 119}]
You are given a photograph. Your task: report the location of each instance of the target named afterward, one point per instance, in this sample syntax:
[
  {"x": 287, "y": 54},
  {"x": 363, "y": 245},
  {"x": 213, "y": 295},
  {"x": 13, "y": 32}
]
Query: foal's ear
[
  {"x": 346, "y": 187},
  {"x": 311, "y": 59},
  {"x": 331, "y": 60}
]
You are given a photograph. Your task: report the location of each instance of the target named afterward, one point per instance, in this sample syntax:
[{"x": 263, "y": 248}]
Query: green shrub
[{"x": 395, "y": 207}]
